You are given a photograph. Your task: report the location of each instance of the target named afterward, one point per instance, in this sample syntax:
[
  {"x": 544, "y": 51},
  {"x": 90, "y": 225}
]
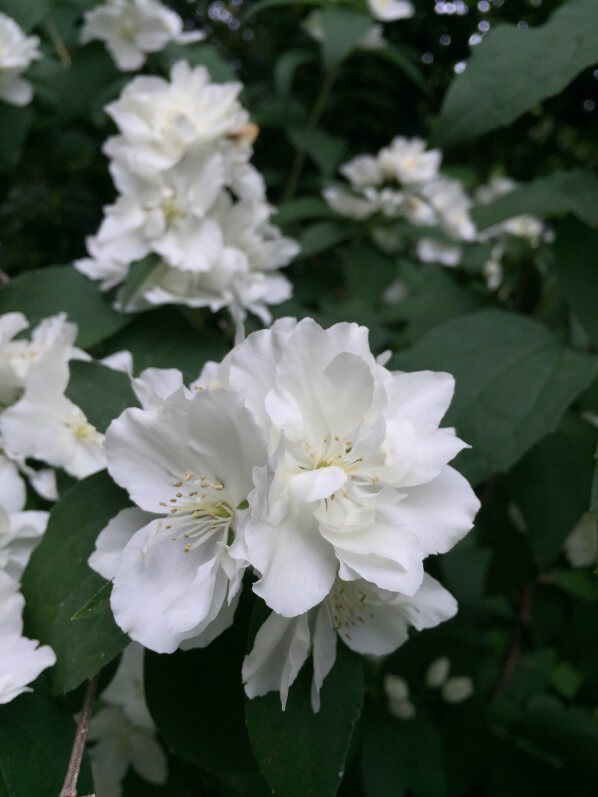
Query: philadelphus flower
[
  {"x": 186, "y": 461},
  {"x": 403, "y": 182},
  {"x": 390, "y": 10},
  {"x": 190, "y": 198},
  {"x": 132, "y": 28},
  {"x": 17, "y": 51},
  {"x": 122, "y": 733}
]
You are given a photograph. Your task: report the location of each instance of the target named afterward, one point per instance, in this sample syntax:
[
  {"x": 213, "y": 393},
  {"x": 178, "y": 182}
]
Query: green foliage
[
  {"x": 514, "y": 382},
  {"x": 82, "y": 646},
  {"x": 36, "y": 736},
  {"x": 342, "y": 31},
  {"x": 101, "y": 392},
  {"x": 27, "y": 13},
  {"x": 55, "y": 289},
  {"x": 512, "y": 70}
]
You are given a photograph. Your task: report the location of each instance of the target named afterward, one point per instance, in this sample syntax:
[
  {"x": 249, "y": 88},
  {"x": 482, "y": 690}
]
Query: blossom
[
  {"x": 397, "y": 695},
  {"x": 581, "y": 544},
  {"x": 437, "y": 672},
  {"x": 186, "y": 462},
  {"x": 17, "y": 51},
  {"x": 122, "y": 733},
  {"x": 367, "y": 620},
  {"x": 21, "y": 659},
  {"x": 390, "y": 10},
  {"x": 458, "y": 689},
  {"x": 132, "y": 28},
  {"x": 357, "y": 484},
  {"x": 46, "y": 425},
  {"x": 408, "y": 161}
]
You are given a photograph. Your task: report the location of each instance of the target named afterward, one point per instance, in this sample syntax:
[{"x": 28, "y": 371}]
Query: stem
[
  {"x": 314, "y": 118},
  {"x": 513, "y": 652},
  {"x": 59, "y": 45},
  {"x": 69, "y": 788}
]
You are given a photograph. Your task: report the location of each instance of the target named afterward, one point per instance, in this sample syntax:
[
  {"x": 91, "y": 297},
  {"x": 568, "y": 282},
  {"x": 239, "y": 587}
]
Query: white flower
[
  {"x": 17, "y": 356},
  {"x": 457, "y": 689},
  {"x": 126, "y": 688},
  {"x": 187, "y": 463},
  {"x": 351, "y": 205},
  {"x": 21, "y": 659},
  {"x": 437, "y": 672},
  {"x": 357, "y": 484},
  {"x": 407, "y": 161},
  {"x": 528, "y": 227},
  {"x": 132, "y": 28},
  {"x": 160, "y": 120},
  {"x": 46, "y": 425},
  {"x": 581, "y": 545},
  {"x": 17, "y": 51},
  {"x": 450, "y": 201},
  {"x": 390, "y": 10},
  {"x": 431, "y": 250},
  {"x": 363, "y": 171},
  {"x": 20, "y": 533},
  {"x": 367, "y": 619}
]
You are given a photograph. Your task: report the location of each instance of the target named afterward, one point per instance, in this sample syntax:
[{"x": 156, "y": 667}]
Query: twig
[
  {"x": 314, "y": 118},
  {"x": 59, "y": 45},
  {"x": 69, "y": 788},
  {"x": 513, "y": 652}
]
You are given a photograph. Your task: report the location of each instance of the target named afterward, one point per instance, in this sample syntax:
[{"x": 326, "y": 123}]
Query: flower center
[{"x": 347, "y": 606}]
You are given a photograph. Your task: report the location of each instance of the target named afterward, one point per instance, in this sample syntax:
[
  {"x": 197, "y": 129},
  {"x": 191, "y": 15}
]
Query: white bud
[
  {"x": 456, "y": 690},
  {"x": 437, "y": 673},
  {"x": 396, "y": 688},
  {"x": 401, "y": 709}
]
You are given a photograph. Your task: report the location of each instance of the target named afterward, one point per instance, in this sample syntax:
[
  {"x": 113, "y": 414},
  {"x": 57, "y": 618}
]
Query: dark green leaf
[
  {"x": 138, "y": 273},
  {"x": 342, "y": 31},
  {"x": 301, "y": 753},
  {"x": 286, "y": 67},
  {"x": 306, "y": 207},
  {"x": 326, "y": 151},
  {"x": 564, "y": 458},
  {"x": 395, "y": 55},
  {"x": 196, "y": 700},
  {"x": 514, "y": 381},
  {"x": 101, "y": 392},
  {"x": 513, "y": 69},
  {"x": 50, "y": 290},
  {"x": 322, "y": 236},
  {"x": 578, "y": 583},
  {"x": 577, "y": 270},
  {"x": 83, "y": 646},
  {"x": 15, "y": 124},
  {"x": 263, "y": 5},
  {"x": 27, "y": 13},
  {"x": 561, "y": 192},
  {"x": 96, "y": 604},
  {"x": 198, "y": 54},
  {"x": 36, "y": 736}
]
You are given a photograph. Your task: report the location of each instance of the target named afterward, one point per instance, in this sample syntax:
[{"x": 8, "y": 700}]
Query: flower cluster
[
  {"x": 132, "y": 28},
  {"x": 401, "y": 188},
  {"x": 301, "y": 457},
  {"x": 17, "y": 51},
  {"x": 190, "y": 199}
]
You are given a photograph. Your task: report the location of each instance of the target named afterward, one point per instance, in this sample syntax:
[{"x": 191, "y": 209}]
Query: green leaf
[
  {"x": 96, "y": 604},
  {"x": 566, "y": 679},
  {"x": 101, "y": 392},
  {"x": 394, "y": 55},
  {"x": 566, "y": 458},
  {"x": 322, "y": 236},
  {"x": 263, "y": 5},
  {"x": 50, "y": 290},
  {"x": 301, "y": 753},
  {"x": 325, "y": 150},
  {"x": 58, "y": 582},
  {"x": 196, "y": 700},
  {"x": 15, "y": 124},
  {"x": 342, "y": 31},
  {"x": 36, "y": 736},
  {"x": 560, "y": 192},
  {"x": 184, "y": 347},
  {"x": 514, "y": 381},
  {"x": 306, "y": 207},
  {"x": 286, "y": 66},
  {"x": 27, "y": 13},
  {"x": 514, "y": 69},
  {"x": 578, "y": 583},
  {"x": 138, "y": 273},
  {"x": 77, "y": 87},
  {"x": 575, "y": 266}
]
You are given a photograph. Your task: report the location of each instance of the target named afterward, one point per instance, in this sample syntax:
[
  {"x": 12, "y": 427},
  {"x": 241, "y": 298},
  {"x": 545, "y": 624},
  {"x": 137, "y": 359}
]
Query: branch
[
  {"x": 513, "y": 652},
  {"x": 69, "y": 788}
]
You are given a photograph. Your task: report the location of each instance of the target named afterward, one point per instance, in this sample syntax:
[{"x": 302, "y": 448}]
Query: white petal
[{"x": 111, "y": 542}]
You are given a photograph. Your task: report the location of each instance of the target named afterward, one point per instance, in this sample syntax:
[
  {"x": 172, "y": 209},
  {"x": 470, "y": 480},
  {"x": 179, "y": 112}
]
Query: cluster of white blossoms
[
  {"x": 122, "y": 733},
  {"x": 403, "y": 182},
  {"x": 452, "y": 690},
  {"x": 21, "y": 659},
  {"x": 190, "y": 198},
  {"x": 132, "y": 28},
  {"x": 17, "y": 51},
  {"x": 380, "y": 10},
  {"x": 301, "y": 457}
]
